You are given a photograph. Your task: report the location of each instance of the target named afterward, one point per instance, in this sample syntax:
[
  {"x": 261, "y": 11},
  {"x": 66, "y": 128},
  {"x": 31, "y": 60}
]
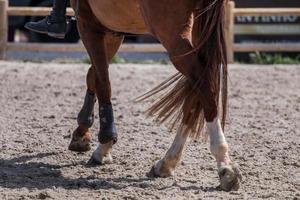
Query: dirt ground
[{"x": 40, "y": 102}]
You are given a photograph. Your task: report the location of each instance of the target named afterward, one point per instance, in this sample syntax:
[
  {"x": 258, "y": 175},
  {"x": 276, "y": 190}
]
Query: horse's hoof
[
  {"x": 151, "y": 173},
  {"x": 93, "y": 162},
  {"x": 99, "y": 158},
  {"x": 159, "y": 170},
  {"x": 79, "y": 147},
  {"x": 81, "y": 144},
  {"x": 230, "y": 177},
  {"x": 96, "y": 162}
]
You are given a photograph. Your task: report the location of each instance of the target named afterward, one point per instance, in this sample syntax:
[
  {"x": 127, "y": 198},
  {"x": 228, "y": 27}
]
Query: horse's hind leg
[
  {"x": 166, "y": 166},
  {"x": 230, "y": 176}
]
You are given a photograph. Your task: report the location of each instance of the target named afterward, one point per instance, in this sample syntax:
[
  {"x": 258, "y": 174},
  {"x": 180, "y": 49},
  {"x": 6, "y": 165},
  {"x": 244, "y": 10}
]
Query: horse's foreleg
[
  {"x": 81, "y": 137},
  {"x": 101, "y": 48},
  {"x": 102, "y": 154},
  {"x": 86, "y": 115},
  {"x": 229, "y": 173},
  {"x": 166, "y": 166}
]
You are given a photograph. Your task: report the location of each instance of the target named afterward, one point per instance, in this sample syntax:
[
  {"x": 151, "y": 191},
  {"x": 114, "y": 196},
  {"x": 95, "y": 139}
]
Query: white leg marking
[
  {"x": 230, "y": 176},
  {"x": 166, "y": 166},
  {"x": 218, "y": 144},
  {"x": 103, "y": 153},
  {"x": 175, "y": 151}
]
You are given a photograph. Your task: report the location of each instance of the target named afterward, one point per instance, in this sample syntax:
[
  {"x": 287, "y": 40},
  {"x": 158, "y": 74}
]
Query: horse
[{"x": 192, "y": 32}]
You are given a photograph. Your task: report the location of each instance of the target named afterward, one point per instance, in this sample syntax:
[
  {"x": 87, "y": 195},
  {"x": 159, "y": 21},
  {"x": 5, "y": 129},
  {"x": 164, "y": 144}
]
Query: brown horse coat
[{"x": 192, "y": 33}]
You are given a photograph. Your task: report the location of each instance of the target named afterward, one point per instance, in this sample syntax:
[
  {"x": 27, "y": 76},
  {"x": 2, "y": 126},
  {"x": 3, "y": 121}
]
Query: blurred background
[{"x": 247, "y": 29}]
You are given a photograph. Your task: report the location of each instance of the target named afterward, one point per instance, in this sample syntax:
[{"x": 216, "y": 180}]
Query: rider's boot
[{"x": 55, "y": 25}]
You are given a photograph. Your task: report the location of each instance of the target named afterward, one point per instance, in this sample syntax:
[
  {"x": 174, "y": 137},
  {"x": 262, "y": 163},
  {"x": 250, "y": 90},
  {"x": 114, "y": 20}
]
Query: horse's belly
[{"x": 119, "y": 15}]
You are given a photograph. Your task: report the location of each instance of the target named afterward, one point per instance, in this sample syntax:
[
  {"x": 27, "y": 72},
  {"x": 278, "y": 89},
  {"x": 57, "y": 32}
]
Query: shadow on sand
[{"x": 19, "y": 172}]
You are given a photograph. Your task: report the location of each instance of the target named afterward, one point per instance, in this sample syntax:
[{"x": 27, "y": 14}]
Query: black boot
[
  {"x": 108, "y": 130},
  {"x": 55, "y": 25},
  {"x": 86, "y": 115}
]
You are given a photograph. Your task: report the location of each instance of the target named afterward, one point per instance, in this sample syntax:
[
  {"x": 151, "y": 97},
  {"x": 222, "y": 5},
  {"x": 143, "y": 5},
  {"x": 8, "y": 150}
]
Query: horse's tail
[
  {"x": 209, "y": 24},
  {"x": 191, "y": 100}
]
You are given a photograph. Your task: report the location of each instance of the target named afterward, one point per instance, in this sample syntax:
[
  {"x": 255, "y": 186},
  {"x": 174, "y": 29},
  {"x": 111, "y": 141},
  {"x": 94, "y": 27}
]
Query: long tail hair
[{"x": 184, "y": 103}]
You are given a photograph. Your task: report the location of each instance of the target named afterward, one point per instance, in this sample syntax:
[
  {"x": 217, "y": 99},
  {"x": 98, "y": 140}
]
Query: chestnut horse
[{"x": 192, "y": 33}]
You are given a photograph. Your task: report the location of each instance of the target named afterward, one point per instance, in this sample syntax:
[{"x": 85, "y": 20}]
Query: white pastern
[
  {"x": 229, "y": 173},
  {"x": 103, "y": 153},
  {"x": 166, "y": 166},
  {"x": 218, "y": 145}
]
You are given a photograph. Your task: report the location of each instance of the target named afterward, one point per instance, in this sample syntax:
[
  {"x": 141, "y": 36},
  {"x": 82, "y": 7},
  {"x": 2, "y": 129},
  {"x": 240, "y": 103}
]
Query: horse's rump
[{"x": 190, "y": 100}]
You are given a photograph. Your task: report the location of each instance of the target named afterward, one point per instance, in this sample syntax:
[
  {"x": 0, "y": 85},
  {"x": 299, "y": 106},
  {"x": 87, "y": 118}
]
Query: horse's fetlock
[{"x": 220, "y": 149}]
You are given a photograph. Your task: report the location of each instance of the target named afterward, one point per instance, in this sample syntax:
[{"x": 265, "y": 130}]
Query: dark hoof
[
  {"x": 81, "y": 140},
  {"x": 230, "y": 178},
  {"x": 75, "y": 146},
  {"x": 92, "y": 162},
  {"x": 151, "y": 173}
]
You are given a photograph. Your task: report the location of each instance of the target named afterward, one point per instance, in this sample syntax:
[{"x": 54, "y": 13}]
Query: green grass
[
  {"x": 120, "y": 60},
  {"x": 87, "y": 60},
  {"x": 271, "y": 59},
  {"x": 254, "y": 58}
]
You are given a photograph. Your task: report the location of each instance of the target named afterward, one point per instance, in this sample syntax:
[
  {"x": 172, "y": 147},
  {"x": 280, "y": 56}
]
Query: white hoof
[{"x": 100, "y": 158}]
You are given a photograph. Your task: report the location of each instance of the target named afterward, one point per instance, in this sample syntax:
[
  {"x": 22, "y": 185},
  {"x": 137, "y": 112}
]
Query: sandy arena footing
[{"x": 40, "y": 101}]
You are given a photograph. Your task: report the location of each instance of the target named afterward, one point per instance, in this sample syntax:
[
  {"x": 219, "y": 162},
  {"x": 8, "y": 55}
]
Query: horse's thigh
[{"x": 173, "y": 31}]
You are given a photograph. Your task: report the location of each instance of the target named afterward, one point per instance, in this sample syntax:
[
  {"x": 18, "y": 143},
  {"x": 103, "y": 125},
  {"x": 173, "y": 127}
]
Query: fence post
[
  {"x": 229, "y": 30},
  {"x": 3, "y": 28}
]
